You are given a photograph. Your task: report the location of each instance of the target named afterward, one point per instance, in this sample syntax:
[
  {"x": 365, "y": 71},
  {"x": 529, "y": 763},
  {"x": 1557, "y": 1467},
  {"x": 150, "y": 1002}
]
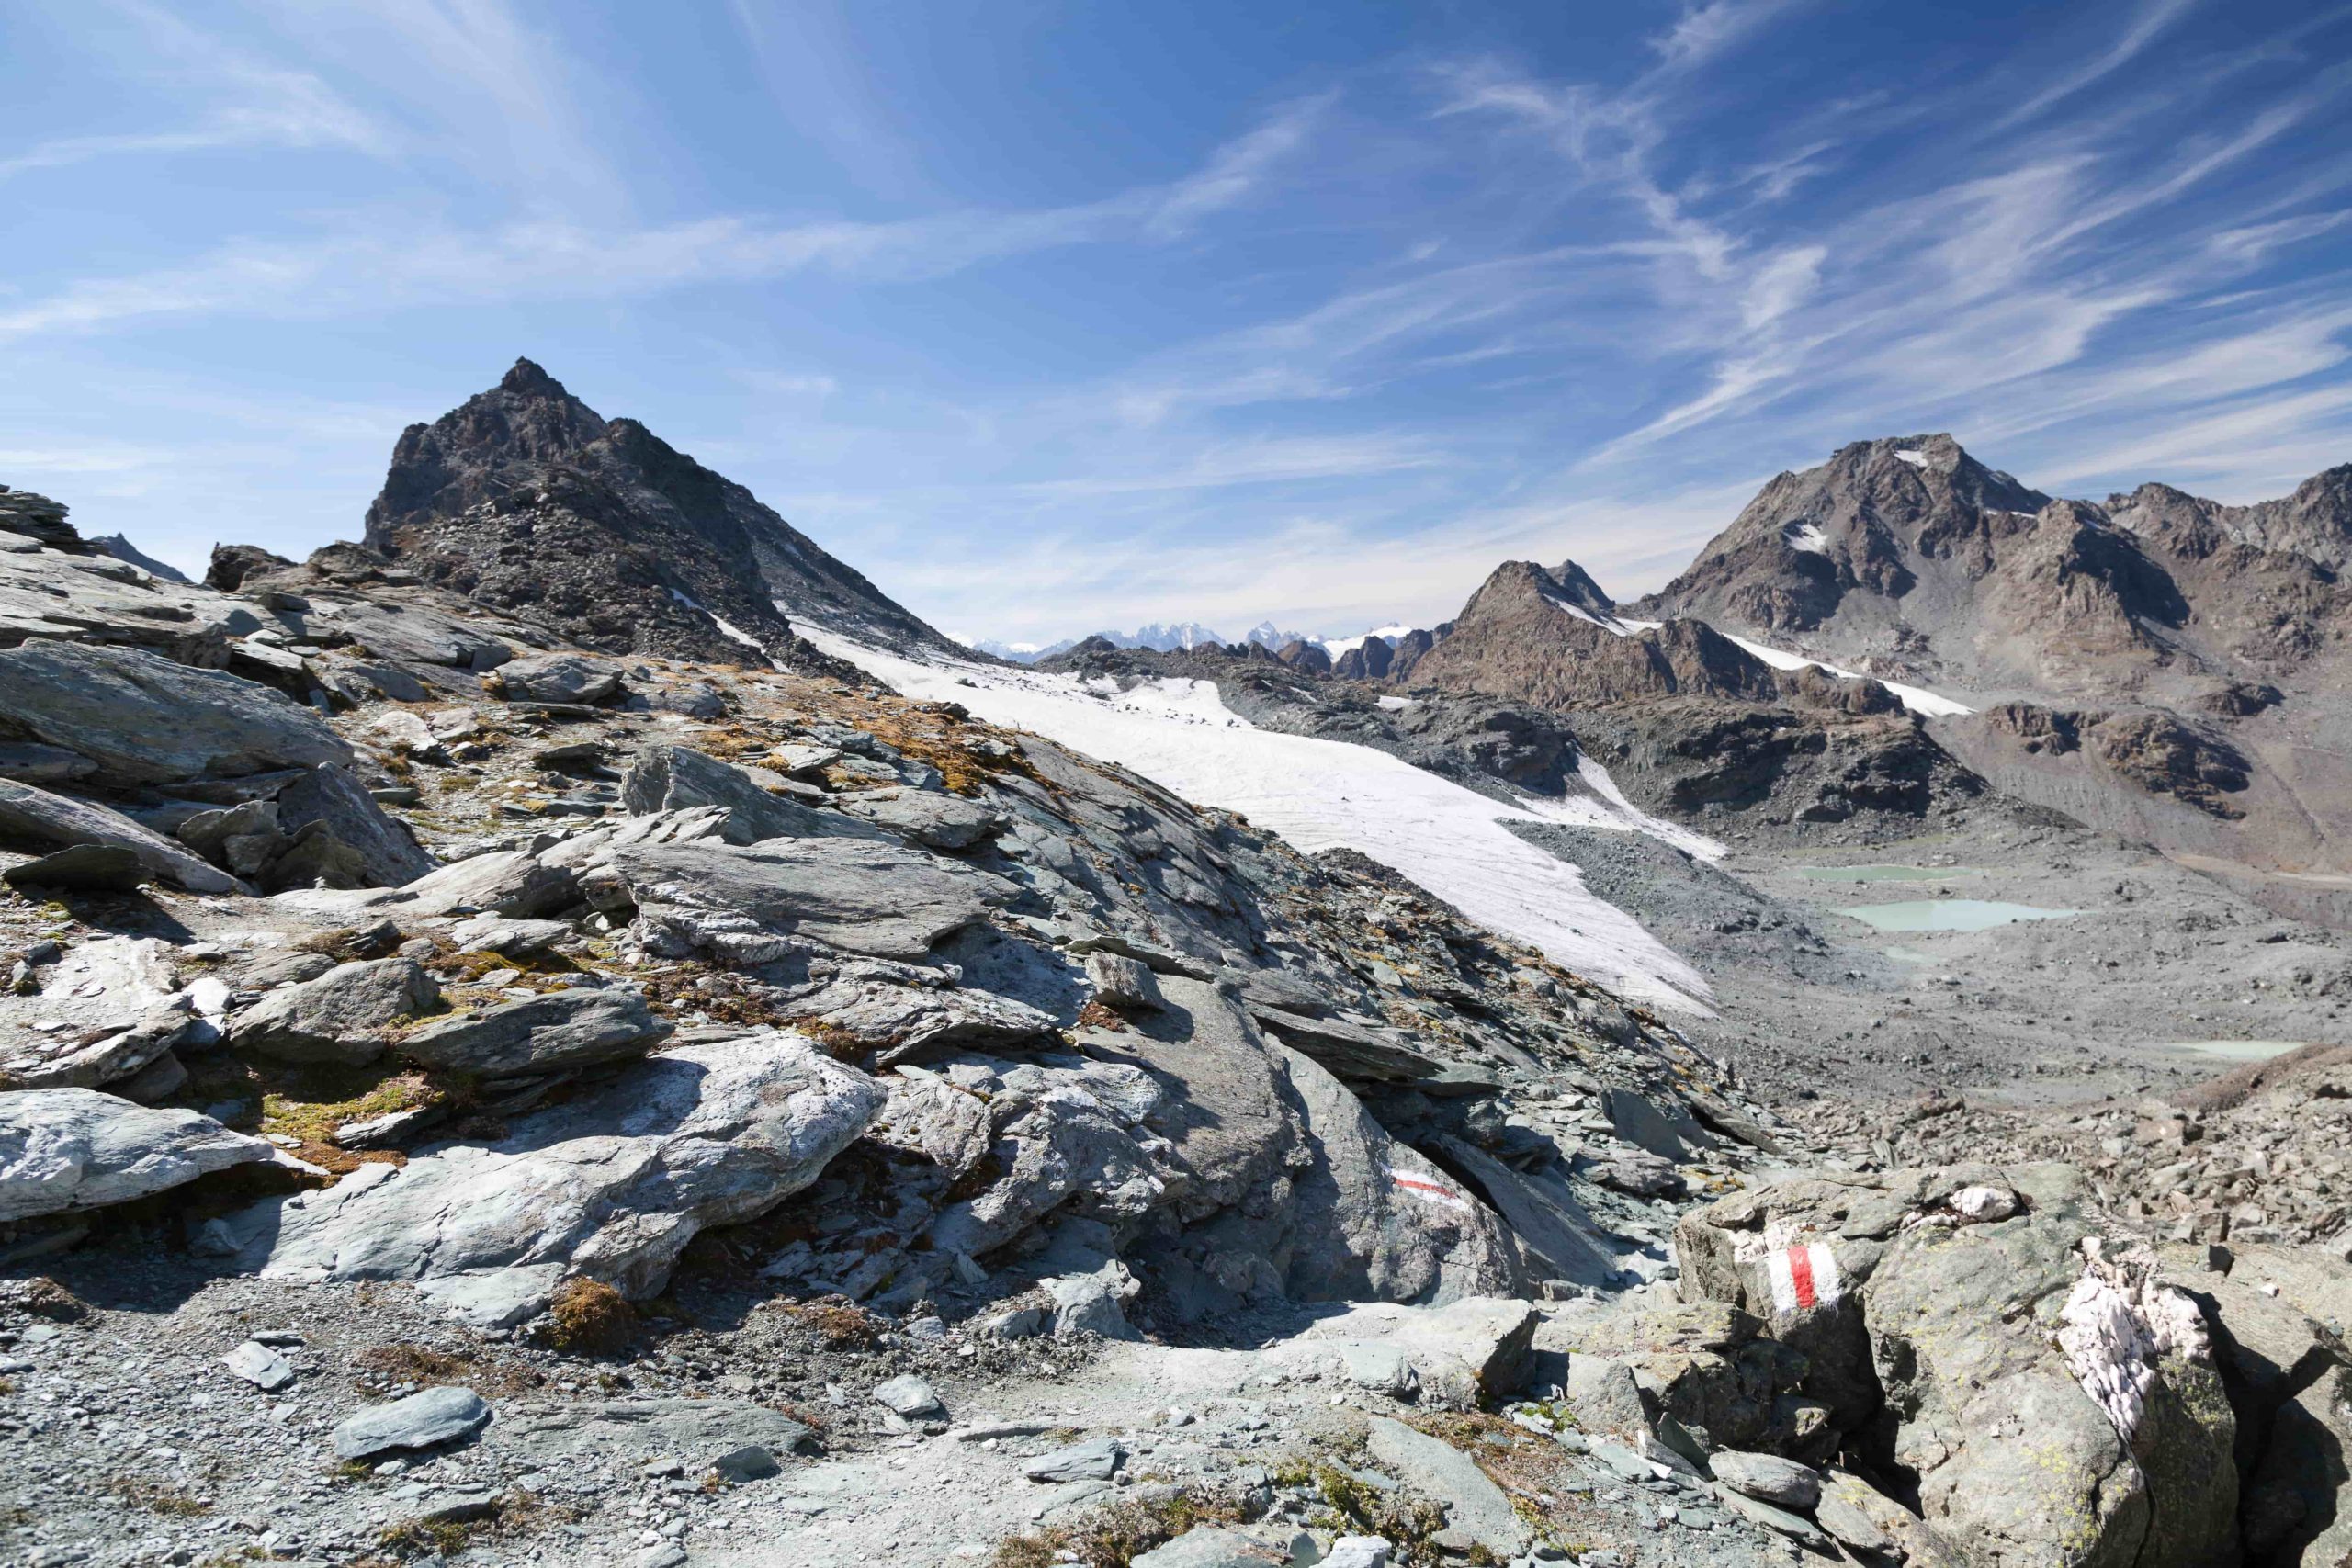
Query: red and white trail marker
[
  {"x": 1803, "y": 1277},
  {"x": 1428, "y": 1190}
]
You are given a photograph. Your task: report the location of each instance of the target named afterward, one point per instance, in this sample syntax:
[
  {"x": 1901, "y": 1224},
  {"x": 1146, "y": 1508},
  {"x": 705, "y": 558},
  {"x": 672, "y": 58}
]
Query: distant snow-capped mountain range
[{"x": 1188, "y": 635}]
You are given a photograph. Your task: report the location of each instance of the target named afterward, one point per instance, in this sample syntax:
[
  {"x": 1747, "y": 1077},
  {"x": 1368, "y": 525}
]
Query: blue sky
[{"x": 1052, "y": 316}]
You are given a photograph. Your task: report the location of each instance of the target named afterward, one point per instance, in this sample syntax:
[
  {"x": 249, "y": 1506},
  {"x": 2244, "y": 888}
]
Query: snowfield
[
  {"x": 1320, "y": 794},
  {"x": 1918, "y": 699}
]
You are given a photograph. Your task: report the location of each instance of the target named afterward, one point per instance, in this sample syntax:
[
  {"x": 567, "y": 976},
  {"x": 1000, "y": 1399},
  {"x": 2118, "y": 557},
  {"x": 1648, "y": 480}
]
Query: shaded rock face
[
  {"x": 1689, "y": 755},
  {"x": 526, "y": 499}
]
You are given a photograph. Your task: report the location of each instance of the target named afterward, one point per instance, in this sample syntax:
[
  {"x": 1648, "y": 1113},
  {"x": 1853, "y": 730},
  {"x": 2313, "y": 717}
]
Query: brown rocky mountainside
[
  {"x": 2162, "y": 665},
  {"x": 1911, "y": 552},
  {"x": 526, "y": 500},
  {"x": 1523, "y": 635}
]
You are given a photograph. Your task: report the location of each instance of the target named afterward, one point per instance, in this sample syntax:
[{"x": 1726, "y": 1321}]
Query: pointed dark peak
[
  {"x": 527, "y": 380},
  {"x": 1575, "y": 585}
]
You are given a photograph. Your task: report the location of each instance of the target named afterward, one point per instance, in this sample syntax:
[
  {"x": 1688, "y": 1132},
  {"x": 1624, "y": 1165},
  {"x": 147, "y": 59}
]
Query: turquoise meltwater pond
[{"x": 1949, "y": 914}]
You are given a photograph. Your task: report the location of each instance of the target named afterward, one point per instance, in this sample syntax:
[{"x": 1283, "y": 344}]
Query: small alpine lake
[{"x": 1949, "y": 914}]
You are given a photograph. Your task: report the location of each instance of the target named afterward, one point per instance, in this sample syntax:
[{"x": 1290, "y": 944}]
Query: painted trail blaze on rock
[
  {"x": 1803, "y": 1277},
  {"x": 1427, "y": 1189}
]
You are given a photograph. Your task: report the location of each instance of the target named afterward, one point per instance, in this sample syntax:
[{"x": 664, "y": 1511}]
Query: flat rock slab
[
  {"x": 1441, "y": 1471},
  {"x": 1097, "y": 1459},
  {"x": 340, "y": 1016},
  {"x": 29, "y": 811},
  {"x": 939, "y": 821},
  {"x": 145, "y": 719},
  {"x": 880, "y": 899},
  {"x": 695, "y": 1432},
  {"x": 421, "y": 1421},
  {"x": 63, "y": 1149},
  {"x": 677, "y": 778},
  {"x": 82, "y": 868},
  {"x": 1768, "y": 1478},
  {"x": 553, "y": 1031},
  {"x": 29, "y": 762},
  {"x": 1349, "y": 1051},
  {"x": 1215, "y": 1546}
]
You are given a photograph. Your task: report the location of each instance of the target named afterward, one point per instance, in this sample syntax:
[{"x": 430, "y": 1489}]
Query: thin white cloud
[
  {"x": 385, "y": 263},
  {"x": 2149, "y": 19},
  {"x": 254, "y": 103},
  {"x": 1705, "y": 33}
]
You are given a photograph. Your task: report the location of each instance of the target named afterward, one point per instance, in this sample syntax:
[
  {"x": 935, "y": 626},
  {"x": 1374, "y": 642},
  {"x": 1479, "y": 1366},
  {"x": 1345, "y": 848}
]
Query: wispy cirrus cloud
[
  {"x": 247, "y": 101},
  {"x": 391, "y": 260},
  {"x": 1394, "y": 320}
]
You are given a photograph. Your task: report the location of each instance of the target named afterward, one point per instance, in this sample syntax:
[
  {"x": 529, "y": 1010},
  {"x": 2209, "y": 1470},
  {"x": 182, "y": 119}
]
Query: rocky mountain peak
[
  {"x": 527, "y": 380},
  {"x": 525, "y": 498}
]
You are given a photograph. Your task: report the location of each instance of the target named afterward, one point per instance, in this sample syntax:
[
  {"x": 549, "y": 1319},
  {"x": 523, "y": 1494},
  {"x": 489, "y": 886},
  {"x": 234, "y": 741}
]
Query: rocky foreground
[{"x": 474, "y": 1096}]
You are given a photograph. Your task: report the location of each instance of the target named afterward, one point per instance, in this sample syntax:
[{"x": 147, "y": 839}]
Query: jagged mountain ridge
[
  {"x": 1908, "y": 550},
  {"x": 526, "y": 499},
  {"x": 2163, "y": 665}
]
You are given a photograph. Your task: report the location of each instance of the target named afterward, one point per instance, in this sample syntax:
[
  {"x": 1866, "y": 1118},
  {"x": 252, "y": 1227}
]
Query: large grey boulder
[
  {"x": 329, "y": 800},
  {"x": 77, "y": 1148},
  {"x": 612, "y": 1184},
  {"x": 420, "y": 1421},
  {"x": 2059, "y": 1403},
  {"x": 557, "y": 678},
  {"x": 1768, "y": 1478},
  {"x": 623, "y": 1431},
  {"x": 750, "y": 903},
  {"x": 1709, "y": 1367},
  {"x": 1374, "y": 1218},
  {"x": 676, "y": 778},
  {"x": 1741, "y": 1251},
  {"x": 1058, "y": 1135},
  {"x": 145, "y": 719},
  {"x": 1286, "y": 1185},
  {"x": 28, "y": 812},
  {"x": 346, "y": 1015},
  {"x": 501, "y": 881},
  {"x": 1555, "y": 1238},
  {"x": 553, "y": 1031},
  {"x": 1459, "y": 1356},
  {"x": 82, "y": 868}
]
